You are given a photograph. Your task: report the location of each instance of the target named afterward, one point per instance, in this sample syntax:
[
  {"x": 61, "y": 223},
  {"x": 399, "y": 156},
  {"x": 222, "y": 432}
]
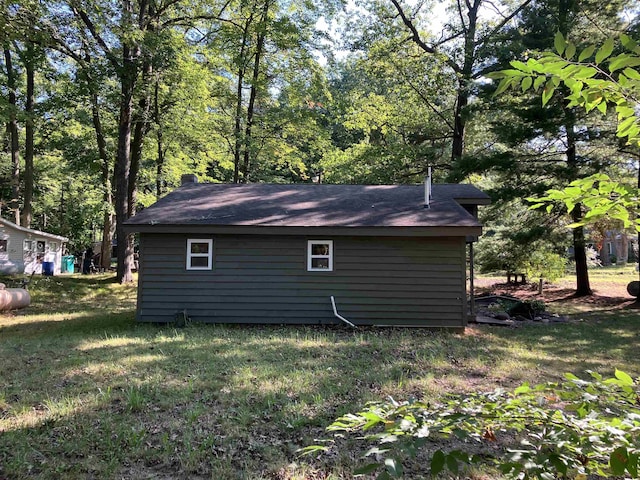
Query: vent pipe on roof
[
  {"x": 427, "y": 188},
  {"x": 188, "y": 178}
]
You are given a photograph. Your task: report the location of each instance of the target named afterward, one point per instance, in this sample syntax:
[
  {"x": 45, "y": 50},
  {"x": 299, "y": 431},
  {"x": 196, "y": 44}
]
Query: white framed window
[
  {"x": 320, "y": 256},
  {"x": 199, "y": 254},
  {"x": 4, "y": 245},
  {"x": 53, "y": 246}
]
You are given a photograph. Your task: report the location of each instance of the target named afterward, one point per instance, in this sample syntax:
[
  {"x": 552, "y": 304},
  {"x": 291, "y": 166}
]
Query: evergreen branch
[{"x": 505, "y": 20}]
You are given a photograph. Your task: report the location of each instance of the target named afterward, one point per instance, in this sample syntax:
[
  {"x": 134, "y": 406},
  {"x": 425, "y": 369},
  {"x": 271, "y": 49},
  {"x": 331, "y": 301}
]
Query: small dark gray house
[{"x": 264, "y": 253}]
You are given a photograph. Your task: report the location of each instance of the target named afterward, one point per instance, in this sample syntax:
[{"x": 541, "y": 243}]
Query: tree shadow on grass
[{"x": 96, "y": 395}]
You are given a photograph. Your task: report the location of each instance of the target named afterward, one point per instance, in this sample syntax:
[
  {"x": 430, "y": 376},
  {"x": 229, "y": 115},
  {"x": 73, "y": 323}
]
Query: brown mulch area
[{"x": 606, "y": 295}]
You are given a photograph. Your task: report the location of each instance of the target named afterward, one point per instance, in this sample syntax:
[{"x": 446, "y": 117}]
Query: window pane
[
  {"x": 319, "y": 249},
  {"x": 319, "y": 263},
  {"x": 40, "y": 246},
  {"x": 3, "y": 246},
  {"x": 199, "y": 248},
  {"x": 199, "y": 262}
]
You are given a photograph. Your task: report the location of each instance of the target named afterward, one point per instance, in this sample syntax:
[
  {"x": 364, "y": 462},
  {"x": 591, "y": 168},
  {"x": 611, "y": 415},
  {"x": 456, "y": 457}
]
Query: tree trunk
[
  {"x": 159, "y": 142},
  {"x": 141, "y": 128},
  {"x": 122, "y": 168},
  {"x": 27, "y": 211},
  {"x": 579, "y": 248},
  {"x": 464, "y": 83},
  {"x": 579, "y": 245},
  {"x": 12, "y": 130},
  {"x": 254, "y": 92},
  {"x": 237, "y": 130},
  {"x": 107, "y": 197}
]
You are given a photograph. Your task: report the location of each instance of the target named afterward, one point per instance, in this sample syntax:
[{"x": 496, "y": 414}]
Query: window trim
[
  {"x": 208, "y": 255},
  {"x": 310, "y": 255}
]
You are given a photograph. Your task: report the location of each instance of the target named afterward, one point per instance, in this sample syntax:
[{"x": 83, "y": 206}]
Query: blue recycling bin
[{"x": 47, "y": 268}]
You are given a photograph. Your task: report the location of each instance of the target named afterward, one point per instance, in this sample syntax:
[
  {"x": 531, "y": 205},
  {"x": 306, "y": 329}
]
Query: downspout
[{"x": 335, "y": 312}]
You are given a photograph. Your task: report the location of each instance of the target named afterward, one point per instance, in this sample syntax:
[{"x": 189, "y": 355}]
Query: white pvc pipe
[
  {"x": 335, "y": 312},
  {"x": 427, "y": 189}
]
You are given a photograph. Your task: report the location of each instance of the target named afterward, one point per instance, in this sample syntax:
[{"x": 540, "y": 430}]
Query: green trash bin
[{"x": 68, "y": 264}]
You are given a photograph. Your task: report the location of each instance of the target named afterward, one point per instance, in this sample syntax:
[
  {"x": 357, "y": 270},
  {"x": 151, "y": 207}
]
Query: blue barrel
[{"x": 47, "y": 268}]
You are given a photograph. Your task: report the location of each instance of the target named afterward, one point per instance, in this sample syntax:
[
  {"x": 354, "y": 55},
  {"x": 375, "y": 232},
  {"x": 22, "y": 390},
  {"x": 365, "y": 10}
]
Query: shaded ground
[
  {"x": 85, "y": 392},
  {"x": 607, "y": 293}
]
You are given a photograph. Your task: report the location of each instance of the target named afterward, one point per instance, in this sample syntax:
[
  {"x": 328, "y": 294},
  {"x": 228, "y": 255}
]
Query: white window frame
[
  {"x": 208, "y": 255},
  {"x": 310, "y": 255}
]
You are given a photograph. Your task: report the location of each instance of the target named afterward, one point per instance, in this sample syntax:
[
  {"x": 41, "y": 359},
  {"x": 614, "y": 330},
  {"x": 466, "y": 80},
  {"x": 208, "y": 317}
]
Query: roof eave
[
  {"x": 473, "y": 201},
  {"x": 32, "y": 231},
  {"x": 414, "y": 231}
]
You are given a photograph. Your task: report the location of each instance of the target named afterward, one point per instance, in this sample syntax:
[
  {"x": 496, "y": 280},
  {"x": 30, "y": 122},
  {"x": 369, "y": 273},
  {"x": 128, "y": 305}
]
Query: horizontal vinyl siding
[{"x": 263, "y": 279}]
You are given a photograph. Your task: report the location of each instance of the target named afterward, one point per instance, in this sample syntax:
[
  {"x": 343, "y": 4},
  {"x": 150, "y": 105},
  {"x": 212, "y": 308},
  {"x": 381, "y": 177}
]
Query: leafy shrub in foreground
[{"x": 573, "y": 429}]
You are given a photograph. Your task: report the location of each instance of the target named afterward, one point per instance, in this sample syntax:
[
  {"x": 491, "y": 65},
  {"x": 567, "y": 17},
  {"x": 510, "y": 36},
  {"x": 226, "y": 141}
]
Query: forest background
[{"x": 105, "y": 104}]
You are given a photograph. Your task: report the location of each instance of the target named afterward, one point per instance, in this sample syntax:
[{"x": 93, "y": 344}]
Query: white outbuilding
[{"x": 24, "y": 250}]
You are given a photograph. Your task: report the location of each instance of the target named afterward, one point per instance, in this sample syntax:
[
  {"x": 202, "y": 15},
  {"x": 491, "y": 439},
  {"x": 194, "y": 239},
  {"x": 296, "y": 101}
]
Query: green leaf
[
  {"x": 584, "y": 73},
  {"x": 631, "y": 73},
  {"x": 547, "y": 93},
  {"x": 503, "y": 85},
  {"x": 559, "y": 43},
  {"x": 366, "y": 469},
  {"x": 604, "y": 51},
  {"x": 586, "y": 53},
  {"x": 628, "y": 42},
  {"x": 520, "y": 66},
  {"x": 524, "y": 388},
  {"x": 559, "y": 464},
  {"x": 393, "y": 467},
  {"x": 618, "y": 461},
  {"x": 632, "y": 464},
  {"x": 570, "y": 51},
  {"x": 539, "y": 81},
  {"x": 624, "y": 378},
  {"x": 452, "y": 464},
  {"x": 622, "y": 61},
  {"x": 311, "y": 449},
  {"x": 437, "y": 462},
  {"x": 602, "y": 106},
  {"x": 526, "y": 83}
]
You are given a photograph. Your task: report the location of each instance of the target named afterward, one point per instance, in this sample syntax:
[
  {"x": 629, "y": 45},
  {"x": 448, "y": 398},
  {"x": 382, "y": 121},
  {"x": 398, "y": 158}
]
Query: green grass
[{"x": 85, "y": 392}]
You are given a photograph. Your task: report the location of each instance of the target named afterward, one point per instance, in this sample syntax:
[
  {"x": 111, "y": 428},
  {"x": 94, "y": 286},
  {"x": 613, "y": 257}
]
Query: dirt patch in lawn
[{"x": 607, "y": 294}]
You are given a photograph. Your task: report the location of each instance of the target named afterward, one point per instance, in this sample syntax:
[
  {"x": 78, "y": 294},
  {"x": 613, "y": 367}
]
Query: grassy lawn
[{"x": 85, "y": 392}]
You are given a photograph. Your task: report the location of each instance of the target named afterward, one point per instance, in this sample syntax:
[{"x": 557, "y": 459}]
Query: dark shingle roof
[{"x": 310, "y": 205}]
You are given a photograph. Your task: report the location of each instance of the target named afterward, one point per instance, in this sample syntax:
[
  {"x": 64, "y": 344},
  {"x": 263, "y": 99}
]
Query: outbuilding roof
[
  {"x": 311, "y": 205},
  {"x": 31, "y": 231}
]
